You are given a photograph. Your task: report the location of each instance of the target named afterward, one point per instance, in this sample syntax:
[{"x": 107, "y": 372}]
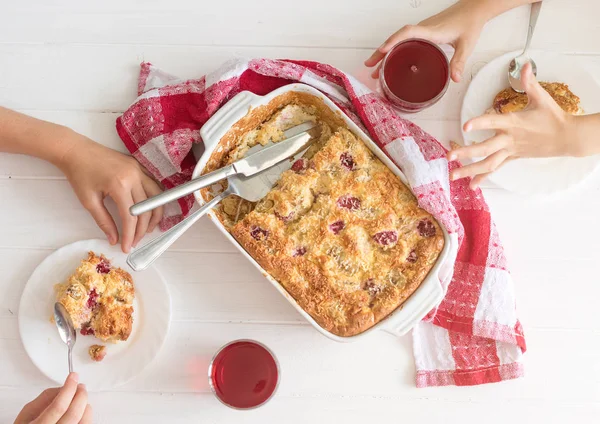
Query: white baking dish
[{"x": 424, "y": 299}]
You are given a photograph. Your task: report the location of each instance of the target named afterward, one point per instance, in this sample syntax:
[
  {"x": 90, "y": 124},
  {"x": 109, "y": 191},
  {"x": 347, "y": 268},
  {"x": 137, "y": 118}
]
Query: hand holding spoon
[
  {"x": 65, "y": 329},
  {"x": 516, "y": 65}
]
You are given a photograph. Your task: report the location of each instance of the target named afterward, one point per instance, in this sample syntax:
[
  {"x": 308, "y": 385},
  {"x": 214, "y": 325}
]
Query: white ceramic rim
[{"x": 427, "y": 296}]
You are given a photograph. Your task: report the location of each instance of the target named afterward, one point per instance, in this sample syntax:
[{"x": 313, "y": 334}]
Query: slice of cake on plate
[{"x": 99, "y": 298}]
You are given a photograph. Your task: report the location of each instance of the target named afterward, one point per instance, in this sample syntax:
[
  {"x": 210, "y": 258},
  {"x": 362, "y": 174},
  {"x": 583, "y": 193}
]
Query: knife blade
[{"x": 262, "y": 158}]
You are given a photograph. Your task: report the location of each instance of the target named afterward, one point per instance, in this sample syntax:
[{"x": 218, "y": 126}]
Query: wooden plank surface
[{"x": 76, "y": 63}]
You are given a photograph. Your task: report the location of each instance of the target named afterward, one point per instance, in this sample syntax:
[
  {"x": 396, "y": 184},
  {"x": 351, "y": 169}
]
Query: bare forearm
[
  {"x": 93, "y": 170},
  {"x": 584, "y": 134},
  {"x": 492, "y": 8},
  {"x": 23, "y": 134}
]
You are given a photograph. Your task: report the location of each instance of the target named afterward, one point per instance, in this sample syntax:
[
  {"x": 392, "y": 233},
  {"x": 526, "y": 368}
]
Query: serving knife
[{"x": 296, "y": 139}]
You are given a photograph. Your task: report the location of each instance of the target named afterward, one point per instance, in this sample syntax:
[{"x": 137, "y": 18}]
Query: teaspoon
[
  {"x": 516, "y": 65},
  {"x": 65, "y": 329}
]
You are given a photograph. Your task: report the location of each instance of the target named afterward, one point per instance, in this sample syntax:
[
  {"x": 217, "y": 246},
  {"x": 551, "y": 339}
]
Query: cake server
[
  {"x": 258, "y": 159},
  {"x": 251, "y": 188}
]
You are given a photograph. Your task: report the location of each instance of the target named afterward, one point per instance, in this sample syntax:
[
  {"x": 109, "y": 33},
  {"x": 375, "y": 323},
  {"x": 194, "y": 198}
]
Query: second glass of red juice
[
  {"x": 244, "y": 374},
  {"x": 414, "y": 75}
]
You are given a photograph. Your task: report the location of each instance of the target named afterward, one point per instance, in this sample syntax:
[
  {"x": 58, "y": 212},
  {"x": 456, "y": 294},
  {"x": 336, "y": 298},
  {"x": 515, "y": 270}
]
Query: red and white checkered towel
[{"x": 473, "y": 336}]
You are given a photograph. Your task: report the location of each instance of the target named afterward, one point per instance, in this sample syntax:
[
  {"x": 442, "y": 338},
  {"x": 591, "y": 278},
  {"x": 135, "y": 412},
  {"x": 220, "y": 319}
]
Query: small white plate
[
  {"x": 124, "y": 360},
  {"x": 533, "y": 176}
]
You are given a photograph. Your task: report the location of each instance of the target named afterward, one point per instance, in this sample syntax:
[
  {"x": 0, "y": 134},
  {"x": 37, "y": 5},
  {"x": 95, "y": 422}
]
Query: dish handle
[
  {"x": 427, "y": 297},
  {"x": 224, "y": 118}
]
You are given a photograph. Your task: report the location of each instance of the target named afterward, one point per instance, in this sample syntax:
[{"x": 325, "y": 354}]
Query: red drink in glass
[
  {"x": 243, "y": 374},
  {"x": 414, "y": 74}
]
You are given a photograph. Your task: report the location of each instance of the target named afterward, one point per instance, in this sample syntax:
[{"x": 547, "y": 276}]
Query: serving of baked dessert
[
  {"x": 97, "y": 352},
  {"x": 508, "y": 100},
  {"x": 339, "y": 231},
  {"x": 99, "y": 299}
]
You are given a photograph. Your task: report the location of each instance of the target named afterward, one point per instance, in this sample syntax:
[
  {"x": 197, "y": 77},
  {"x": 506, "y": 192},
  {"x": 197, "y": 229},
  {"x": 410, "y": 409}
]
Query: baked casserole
[{"x": 339, "y": 231}]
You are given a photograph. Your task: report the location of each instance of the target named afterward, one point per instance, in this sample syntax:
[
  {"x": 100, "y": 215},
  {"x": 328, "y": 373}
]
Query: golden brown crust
[
  {"x": 255, "y": 126},
  {"x": 508, "y": 100},
  {"x": 112, "y": 322},
  {"x": 340, "y": 232},
  {"x": 99, "y": 299}
]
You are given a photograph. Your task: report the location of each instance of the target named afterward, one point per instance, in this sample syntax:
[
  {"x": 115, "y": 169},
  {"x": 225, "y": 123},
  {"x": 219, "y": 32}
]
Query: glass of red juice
[
  {"x": 243, "y": 374},
  {"x": 414, "y": 74}
]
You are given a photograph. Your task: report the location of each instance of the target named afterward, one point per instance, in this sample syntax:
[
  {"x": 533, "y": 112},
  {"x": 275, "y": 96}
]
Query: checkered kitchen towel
[{"x": 473, "y": 336}]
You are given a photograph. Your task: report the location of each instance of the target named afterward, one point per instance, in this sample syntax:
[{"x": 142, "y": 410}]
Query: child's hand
[
  {"x": 95, "y": 171},
  {"x": 459, "y": 26},
  {"x": 542, "y": 130},
  {"x": 67, "y": 404}
]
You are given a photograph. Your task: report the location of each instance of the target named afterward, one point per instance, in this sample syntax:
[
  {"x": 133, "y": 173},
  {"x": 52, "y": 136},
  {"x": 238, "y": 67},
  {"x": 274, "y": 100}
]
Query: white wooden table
[{"x": 76, "y": 63}]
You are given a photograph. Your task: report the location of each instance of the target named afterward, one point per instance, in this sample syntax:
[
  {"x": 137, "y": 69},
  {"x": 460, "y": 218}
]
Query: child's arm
[
  {"x": 94, "y": 171},
  {"x": 29, "y": 136},
  {"x": 459, "y": 26},
  {"x": 541, "y": 130}
]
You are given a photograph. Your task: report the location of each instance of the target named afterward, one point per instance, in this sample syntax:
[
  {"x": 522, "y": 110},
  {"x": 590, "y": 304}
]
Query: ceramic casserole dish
[{"x": 429, "y": 293}]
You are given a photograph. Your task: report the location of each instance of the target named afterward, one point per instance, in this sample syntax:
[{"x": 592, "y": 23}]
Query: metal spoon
[
  {"x": 65, "y": 329},
  {"x": 516, "y": 65}
]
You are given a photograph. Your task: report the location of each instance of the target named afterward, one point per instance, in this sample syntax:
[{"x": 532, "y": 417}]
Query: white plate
[
  {"x": 124, "y": 360},
  {"x": 533, "y": 176}
]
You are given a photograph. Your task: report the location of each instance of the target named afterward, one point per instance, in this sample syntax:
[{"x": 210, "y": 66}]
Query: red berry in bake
[
  {"x": 349, "y": 202},
  {"x": 347, "y": 161},
  {"x": 300, "y": 165},
  {"x": 412, "y": 257},
  {"x": 426, "y": 228},
  {"x": 337, "y": 226},
  {"x": 258, "y": 233},
  {"x": 286, "y": 218},
  {"x": 92, "y": 299},
  {"x": 86, "y": 330},
  {"x": 499, "y": 104},
  {"x": 386, "y": 238},
  {"x": 103, "y": 267},
  {"x": 299, "y": 251},
  {"x": 371, "y": 287}
]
